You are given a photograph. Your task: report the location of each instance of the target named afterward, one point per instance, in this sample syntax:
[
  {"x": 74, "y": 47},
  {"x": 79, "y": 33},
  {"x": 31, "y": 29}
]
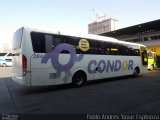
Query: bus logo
[{"x": 54, "y": 55}]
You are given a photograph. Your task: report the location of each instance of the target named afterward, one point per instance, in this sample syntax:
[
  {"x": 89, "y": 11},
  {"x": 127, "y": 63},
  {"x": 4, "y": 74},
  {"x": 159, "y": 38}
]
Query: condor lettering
[{"x": 109, "y": 66}]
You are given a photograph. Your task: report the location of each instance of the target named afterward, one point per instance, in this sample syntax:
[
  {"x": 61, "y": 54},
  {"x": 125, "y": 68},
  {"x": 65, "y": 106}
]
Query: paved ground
[{"x": 118, "y": 95}]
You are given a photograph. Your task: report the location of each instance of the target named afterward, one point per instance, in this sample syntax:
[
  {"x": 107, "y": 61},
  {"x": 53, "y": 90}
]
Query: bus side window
[
  {"x": 72, "y": 41},
  {"x": 2, "y": 54},
  {"x": 107, "y": 48},
  {"x": 122, "y": 49},
  {"x": 131, "y": 51},
  {"x": 52, "y": 41},
  {"x": 111, "y": 48},
  {"x": 96, "y": 47},
  {"x": 114, "y": 50},
  {"x": 38, "y": 42},
  {"x": 48, "y": 43},
  {"x": 44, "y": 43},
  {"x": 10, "y": 54},
  {"x": 136, "y": 52}
]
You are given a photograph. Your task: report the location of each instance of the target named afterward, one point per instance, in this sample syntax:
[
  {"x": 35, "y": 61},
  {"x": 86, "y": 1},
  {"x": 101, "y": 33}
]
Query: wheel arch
[
  {"x": 81, "y": 71},
  {"x": 137, "y": 68}
]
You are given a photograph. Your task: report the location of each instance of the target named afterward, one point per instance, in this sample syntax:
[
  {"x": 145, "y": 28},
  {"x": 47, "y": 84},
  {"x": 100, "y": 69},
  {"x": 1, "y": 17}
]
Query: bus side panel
[
  {"x": 82, "y": 65},
  {"x": 45, "y": 73},
  {"x": 41, "y": 77}
]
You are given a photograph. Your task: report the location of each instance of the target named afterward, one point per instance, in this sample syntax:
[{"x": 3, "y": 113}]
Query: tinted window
[
  {"x": 2, "y": 54},
  {"x": 10, "y": 54},
  {"x": 96, "y": 47},
  {"x": 72, "y": 41},
  {"x": 123, "y": 49},
  {"x": 136, "y": 52},
  {"x": 38, "y": 42},
  {"x": 48, "y": 43},
  {"x": 111, "y": 48},
  {"x": 44, "y": 43}
]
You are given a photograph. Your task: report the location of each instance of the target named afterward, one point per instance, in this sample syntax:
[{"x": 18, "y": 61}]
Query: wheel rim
[
  {"x": 135, "y": 72},
  {"x": 79, "y": 79}
]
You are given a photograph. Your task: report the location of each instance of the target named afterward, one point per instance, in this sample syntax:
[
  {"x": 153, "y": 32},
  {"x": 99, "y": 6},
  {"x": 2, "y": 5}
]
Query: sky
[{"x": 71, "y": 16}]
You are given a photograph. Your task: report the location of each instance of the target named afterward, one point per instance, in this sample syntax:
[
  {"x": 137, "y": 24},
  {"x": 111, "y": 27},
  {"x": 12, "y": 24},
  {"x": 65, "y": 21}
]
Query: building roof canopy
[{"x": 134, "y": 30}]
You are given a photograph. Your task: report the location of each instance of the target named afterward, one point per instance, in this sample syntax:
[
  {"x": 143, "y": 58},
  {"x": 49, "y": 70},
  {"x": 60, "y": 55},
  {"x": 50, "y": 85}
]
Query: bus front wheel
[
  {"x": 136, "y": 72},
  {"x": 79, "y": 78},
  {"x": 151, "y": 67}
]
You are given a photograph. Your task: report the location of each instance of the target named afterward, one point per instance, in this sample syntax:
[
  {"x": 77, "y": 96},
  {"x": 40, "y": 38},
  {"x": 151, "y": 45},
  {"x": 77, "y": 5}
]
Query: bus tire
[
  {"x": 136, "y": 72},
  {"x": 151, "y": 67},
  {"x": 79, "y": 78},
  {"x": 4, "y": 65}
]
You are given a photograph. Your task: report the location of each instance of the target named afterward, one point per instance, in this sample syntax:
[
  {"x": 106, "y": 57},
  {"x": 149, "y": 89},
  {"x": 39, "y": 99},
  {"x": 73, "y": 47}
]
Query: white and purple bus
[{"x": 45, "y": 58}]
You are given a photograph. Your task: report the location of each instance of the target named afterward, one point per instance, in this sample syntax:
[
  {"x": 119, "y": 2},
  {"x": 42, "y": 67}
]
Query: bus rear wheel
[{"x": 78, "y": 79}]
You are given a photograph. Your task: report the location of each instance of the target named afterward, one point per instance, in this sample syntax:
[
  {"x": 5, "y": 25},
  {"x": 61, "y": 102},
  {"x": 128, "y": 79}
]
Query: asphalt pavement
[{"x": 112, "y": 96}]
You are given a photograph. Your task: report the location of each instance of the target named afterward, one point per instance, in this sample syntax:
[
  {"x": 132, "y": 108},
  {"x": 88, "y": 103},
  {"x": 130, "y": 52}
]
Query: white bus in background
[
  {"x": 5, "y": 59},
  {"x": 46, "y": 58}
]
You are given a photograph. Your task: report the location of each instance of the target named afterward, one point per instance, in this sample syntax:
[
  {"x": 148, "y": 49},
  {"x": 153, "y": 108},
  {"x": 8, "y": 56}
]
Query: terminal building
[
  {"x": 102, "y": 25},
  {"x": 146, "y": 33}
]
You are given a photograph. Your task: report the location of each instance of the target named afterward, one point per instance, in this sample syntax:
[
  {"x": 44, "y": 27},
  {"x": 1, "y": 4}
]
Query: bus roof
[{"x": 87, "y": 36}]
